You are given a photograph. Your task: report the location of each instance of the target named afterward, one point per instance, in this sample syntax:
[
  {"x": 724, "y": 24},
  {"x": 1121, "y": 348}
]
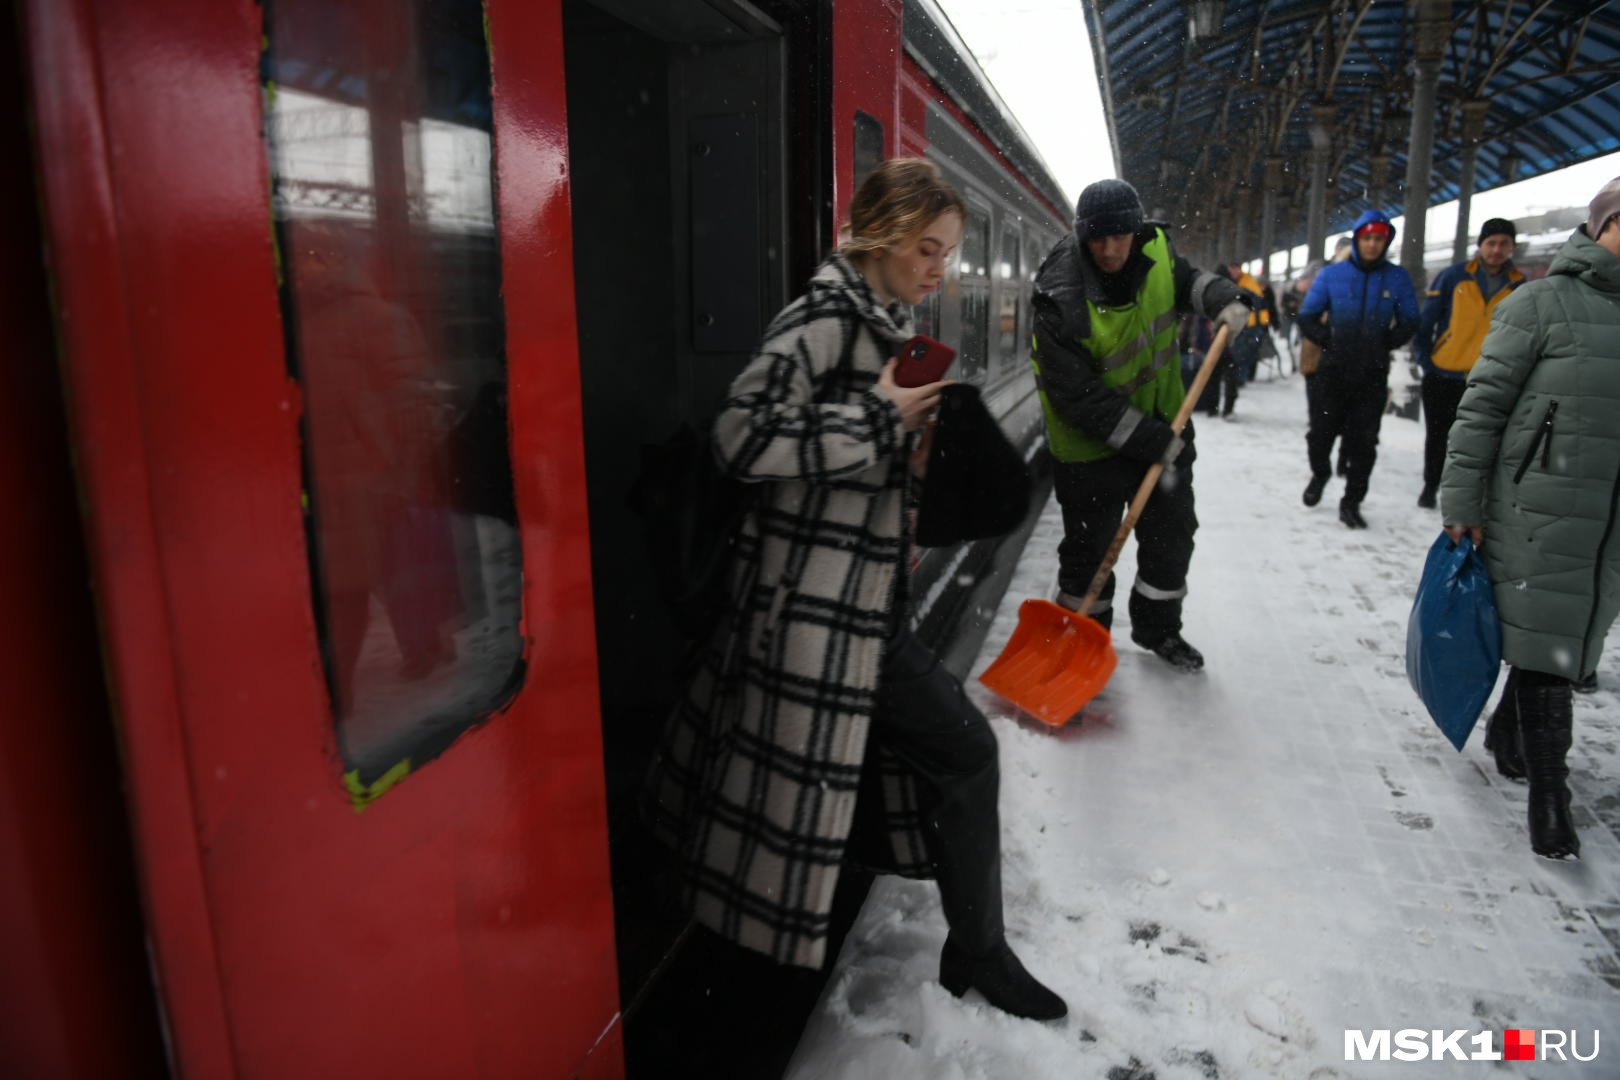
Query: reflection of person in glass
[
  {"x": 816, "y": 691},
  {"x": 374, "y": 444}
]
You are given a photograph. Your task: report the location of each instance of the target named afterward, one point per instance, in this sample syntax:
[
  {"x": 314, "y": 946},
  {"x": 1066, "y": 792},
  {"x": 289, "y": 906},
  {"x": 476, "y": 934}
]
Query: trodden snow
[{"x": 1222, "y": 873}]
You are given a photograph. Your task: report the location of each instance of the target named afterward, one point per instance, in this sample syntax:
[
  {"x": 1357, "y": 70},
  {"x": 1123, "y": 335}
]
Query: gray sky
[{"x": 1038, "y": 55}]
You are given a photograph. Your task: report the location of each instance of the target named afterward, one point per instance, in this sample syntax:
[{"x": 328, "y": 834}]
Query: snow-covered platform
[{"x": 1224, "y": 872}]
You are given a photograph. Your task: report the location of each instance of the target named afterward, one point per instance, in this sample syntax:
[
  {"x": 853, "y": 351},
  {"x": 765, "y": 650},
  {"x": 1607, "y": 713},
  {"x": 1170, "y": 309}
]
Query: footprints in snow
[{"x": 1150, "y": 933}]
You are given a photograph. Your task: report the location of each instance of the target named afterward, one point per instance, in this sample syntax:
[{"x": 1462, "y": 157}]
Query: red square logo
[{"x": 1518, "y": 1045}]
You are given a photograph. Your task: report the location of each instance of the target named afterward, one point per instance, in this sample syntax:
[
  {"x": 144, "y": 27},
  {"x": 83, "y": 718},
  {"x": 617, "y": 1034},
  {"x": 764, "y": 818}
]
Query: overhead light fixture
[{"x": 1207, "y": 16}]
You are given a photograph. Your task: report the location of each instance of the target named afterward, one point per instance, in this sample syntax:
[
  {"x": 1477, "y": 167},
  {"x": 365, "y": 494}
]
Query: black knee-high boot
[
  {"x": 1502, "y": 731},
  {"x": 1546, "y": 717},
  {"x": 964, "y": 842}
]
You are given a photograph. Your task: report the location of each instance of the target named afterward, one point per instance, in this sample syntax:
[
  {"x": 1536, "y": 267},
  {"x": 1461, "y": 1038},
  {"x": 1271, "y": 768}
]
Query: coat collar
[{"x": 839, "y": 275}]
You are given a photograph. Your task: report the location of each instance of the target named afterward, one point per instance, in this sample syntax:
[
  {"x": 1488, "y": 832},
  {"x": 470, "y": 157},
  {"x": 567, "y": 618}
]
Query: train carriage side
[{"x": 316, "y": 898}]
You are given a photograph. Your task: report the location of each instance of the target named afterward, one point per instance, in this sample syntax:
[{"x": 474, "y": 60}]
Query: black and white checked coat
[{"x": 755, "y": 787}]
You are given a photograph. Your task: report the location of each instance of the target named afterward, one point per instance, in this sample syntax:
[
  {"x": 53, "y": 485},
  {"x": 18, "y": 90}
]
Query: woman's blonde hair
[{"x": 897, "y": 201}]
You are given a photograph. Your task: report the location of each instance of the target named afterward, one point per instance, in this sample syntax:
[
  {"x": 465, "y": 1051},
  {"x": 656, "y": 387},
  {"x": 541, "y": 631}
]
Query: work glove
[{"x": 1235, "y": 316}]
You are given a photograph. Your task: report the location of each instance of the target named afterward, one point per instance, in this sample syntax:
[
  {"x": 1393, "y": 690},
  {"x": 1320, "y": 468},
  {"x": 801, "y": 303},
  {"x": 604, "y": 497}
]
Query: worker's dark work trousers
[
  {"x": 1440, "y": 398},
  {"x": 1350, "y": 408},
  {"x": 924, "y": 718},
  {"x": 1094, "y": 496}
]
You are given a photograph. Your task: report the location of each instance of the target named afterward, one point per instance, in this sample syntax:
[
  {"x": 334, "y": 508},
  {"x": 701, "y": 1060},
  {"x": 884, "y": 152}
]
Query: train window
[
  {"x": 379, "y": 135},
  {"x": 1036, "y": 246},
  {"x": 973, "y": 269},
  {"x": 868, "y": 146},
  {"x": 926, "y": 315},
  {"x": 1009, "y": 285}
]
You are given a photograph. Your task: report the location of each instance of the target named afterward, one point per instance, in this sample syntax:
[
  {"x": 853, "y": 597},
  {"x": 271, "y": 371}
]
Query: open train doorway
[{"x": 678, "y": 151}]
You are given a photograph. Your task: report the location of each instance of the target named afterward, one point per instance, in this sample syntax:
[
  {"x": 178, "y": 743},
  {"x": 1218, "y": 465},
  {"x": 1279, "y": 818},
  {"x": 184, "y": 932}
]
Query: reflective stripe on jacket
[{"x": 1133, "y": 348}]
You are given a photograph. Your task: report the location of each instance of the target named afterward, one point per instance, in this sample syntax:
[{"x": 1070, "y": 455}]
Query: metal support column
[
  {"x": 1377, "y": 179},
  {"x": 1473, "y": 131},
  {"x": 1322, "y": 117},
  {"x": 1268, "y": 213},
  {"x": 1432, "y": 31},
  {"x": 1243, "y": 209}
]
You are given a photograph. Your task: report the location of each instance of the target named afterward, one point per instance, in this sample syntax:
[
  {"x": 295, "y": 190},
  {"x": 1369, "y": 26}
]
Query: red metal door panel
[
  {"x": 78, "y": 1001},
  {"x": 866, "y": 51},
  {"x": 462, "y": 924}
]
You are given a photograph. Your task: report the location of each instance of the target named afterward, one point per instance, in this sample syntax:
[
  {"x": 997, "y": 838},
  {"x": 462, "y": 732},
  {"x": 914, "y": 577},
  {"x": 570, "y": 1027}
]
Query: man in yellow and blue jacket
[{"x": 1450, "y": 333}]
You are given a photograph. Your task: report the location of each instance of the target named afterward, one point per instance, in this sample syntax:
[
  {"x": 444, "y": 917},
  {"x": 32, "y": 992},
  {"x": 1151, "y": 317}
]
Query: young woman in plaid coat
[{"x": 814, "y": 695}]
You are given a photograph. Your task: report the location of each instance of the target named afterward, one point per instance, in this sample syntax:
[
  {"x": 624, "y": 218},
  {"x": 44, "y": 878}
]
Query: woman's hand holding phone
[{"x": 914, "y": 402}]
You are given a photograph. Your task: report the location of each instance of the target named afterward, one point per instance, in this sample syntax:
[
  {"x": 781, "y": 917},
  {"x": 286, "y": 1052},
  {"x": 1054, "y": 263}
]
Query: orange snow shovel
[{"x": 1057, "y": 659}]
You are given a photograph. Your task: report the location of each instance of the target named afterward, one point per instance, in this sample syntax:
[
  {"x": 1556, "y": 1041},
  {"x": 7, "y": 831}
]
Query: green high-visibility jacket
[{"x": 1134, "y": 346}]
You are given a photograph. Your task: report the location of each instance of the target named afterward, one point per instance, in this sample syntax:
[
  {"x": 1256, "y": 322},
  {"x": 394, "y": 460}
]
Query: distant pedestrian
[
  {"x": 1246, "y": 347},
  {"x": 1450, "y": 332},
  {"x": 1225, "y": 376},
  {"x": 1532, "y": 474},
  {"x": 1357, "y": 311}
]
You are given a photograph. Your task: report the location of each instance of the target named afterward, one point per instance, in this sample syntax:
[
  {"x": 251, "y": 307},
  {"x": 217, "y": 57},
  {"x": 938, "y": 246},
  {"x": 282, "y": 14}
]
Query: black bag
[
  {"x": 691, "y": 514},
  {"x": 977, "y": 484}
]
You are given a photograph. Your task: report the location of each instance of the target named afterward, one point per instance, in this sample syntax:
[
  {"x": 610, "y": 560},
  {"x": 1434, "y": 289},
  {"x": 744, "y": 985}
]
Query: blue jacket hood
[{"x": 1366, "y": 218}]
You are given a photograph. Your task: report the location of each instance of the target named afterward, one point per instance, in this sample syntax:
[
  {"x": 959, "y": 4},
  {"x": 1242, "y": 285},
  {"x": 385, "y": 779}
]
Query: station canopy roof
[{"x": 1200, "y": 92}]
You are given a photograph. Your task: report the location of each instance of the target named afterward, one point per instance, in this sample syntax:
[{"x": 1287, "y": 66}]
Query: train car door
[{"x": 313, "y": 283}]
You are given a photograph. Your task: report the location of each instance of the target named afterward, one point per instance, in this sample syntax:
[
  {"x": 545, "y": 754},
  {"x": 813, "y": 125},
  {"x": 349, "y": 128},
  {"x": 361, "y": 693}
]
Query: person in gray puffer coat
[{"x": 1533, "y": 475}]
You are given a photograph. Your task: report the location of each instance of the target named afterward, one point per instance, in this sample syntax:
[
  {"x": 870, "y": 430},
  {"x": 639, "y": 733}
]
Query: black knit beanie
[
  {"x": 1497, "y": 226},
  {"x": 1107, "y": 208}
]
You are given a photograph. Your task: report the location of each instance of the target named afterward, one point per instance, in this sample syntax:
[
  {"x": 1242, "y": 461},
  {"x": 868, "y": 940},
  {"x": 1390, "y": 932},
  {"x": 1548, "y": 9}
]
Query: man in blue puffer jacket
[{"x": 1357, "y": 311}]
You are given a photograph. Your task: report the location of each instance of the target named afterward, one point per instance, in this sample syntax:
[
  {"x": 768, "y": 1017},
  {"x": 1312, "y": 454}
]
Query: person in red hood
[{"x": 1357, "y": 311}]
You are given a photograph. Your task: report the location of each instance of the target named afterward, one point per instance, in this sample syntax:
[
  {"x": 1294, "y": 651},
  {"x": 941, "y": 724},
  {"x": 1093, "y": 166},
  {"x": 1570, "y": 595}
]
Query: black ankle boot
[
  {"x": 1350, "y": 514},
  {"x": 1546, "y": 716},
  {"x": 1174, "y": 650},
  {"x": 1001, "y": 978},
  {"x": 1502, "y": 731},
  {"x": 1313, "y": 490},
  {"x": 1426, "y": 497}
]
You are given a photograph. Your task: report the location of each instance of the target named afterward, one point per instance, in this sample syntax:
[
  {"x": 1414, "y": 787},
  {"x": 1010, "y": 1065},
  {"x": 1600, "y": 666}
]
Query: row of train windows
[{"x": 990, "y": 289}]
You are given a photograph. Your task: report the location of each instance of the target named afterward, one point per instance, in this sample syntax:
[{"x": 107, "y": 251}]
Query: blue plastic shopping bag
[{"x": 1453, "y": 641}]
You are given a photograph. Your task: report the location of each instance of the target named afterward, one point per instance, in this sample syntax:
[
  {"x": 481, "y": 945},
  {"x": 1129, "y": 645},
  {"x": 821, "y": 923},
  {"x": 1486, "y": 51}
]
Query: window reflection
[
  {"x": 974, "y": 274},
  {"x": 380, "y": 154},
  {"x": 1009, "y": 282}
]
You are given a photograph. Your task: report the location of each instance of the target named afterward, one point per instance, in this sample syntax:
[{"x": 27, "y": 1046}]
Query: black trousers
[
  {"x": 1350, "y": 407},
  {"x": 1094, "y": 495},
  {"x": 925, "y": 719},
  {"x": 1440, "y": 398},
  {"x": 1223, "y": 378}
]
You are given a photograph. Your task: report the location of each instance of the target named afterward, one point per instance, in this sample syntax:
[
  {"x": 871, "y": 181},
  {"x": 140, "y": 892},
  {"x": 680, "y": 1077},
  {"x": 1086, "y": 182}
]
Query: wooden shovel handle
[{"x": 1194, "y": 392}]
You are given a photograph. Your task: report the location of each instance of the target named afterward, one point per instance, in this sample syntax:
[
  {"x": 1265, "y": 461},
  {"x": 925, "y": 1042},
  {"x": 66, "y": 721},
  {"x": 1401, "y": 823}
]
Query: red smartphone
[{"x": 922, "y": 361}]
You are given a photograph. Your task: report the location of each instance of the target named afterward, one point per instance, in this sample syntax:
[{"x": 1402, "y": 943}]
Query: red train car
[{"x": 331, "y": 653}]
